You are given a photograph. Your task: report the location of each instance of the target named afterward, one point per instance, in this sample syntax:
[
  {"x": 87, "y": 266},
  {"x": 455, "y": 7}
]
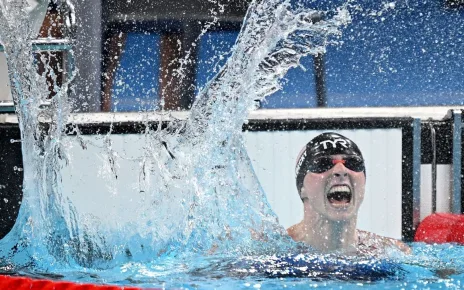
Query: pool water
[{"x": 429, "y": 267}]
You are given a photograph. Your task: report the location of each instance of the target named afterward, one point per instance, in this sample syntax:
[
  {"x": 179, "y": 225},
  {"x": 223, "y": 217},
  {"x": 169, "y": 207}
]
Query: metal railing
[
  {"x": 45, "y": 45},
  {"x": 48, "y": 44}
]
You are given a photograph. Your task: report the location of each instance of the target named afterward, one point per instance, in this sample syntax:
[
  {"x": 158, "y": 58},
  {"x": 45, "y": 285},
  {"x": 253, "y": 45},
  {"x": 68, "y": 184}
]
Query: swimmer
[{"x": 331, "y": 178}]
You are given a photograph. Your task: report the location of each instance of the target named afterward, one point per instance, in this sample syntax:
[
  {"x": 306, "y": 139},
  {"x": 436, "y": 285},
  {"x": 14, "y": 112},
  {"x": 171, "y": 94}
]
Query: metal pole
[
  {"x": 416, "y": 167},
  {"x": 433, "y": 140},
  {"x": 456, "y": 205},
  {"x": 319, "y": 68},
  {"x": 87, "y": 94}
]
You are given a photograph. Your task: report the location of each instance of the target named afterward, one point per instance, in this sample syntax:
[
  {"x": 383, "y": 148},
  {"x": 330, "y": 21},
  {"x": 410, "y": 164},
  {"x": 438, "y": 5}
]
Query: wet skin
[{"x": 317, "y": 186}]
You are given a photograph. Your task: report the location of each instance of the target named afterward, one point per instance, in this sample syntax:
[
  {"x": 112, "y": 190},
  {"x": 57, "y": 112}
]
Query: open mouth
[{"x": 339, "y": 195}]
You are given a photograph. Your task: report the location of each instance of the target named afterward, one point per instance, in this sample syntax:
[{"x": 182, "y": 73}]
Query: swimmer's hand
[
  {"x": 402, "y": 246},
  {"x": 370, "y": 243}
]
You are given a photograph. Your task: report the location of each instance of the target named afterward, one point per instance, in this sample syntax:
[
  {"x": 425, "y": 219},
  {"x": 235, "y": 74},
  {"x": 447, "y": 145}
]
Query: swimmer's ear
[{"x": 303, "y": 195}]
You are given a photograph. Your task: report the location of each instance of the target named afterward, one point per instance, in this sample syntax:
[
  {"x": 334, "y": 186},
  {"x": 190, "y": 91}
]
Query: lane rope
[{"x": 23, "y": 283}]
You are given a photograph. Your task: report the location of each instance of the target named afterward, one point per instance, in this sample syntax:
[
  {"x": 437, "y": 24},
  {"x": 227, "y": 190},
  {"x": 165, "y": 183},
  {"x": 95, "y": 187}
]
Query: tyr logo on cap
[{"x": 342, "y": 142}]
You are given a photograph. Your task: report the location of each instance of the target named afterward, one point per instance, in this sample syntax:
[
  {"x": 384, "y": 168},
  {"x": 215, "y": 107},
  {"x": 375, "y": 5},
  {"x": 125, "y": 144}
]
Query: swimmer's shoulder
[
  {"x": 296, "y": 232},
  {"x": 371, "y": 240}
]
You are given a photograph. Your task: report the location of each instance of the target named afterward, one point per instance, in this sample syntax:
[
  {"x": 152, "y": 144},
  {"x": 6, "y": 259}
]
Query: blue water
[{"x": 429, "y": 267}]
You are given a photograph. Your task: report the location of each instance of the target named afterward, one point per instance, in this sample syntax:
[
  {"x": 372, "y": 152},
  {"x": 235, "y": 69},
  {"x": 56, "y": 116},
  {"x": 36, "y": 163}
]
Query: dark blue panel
[
  {"x": 410, "y": 55},
  {"x": 215, "y": 48},
  {"x": 298, "y": 88},
  {"x": 135, "y": 86},
  {"x": 298, "y": 85}
]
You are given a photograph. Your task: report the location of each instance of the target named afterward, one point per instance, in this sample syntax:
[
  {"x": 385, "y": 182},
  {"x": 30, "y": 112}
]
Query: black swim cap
[{"x": 325, "y": 144}]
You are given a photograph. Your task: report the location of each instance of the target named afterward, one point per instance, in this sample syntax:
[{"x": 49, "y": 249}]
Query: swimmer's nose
[{"x": 339, "y": 170}]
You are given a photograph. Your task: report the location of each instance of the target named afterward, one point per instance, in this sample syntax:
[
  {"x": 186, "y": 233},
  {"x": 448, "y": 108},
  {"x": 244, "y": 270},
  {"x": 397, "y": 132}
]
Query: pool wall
[
  {"x": 273, "y": 157},
  {"x": 273, "y": 139}
]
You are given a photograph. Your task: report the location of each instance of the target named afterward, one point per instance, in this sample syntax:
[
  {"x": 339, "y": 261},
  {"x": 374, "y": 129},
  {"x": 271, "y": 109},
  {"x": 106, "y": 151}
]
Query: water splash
[
  {"x": 274, "y": 37},
  {"x": 203, "y": 197},
  {"x": 42, "y": 209}
]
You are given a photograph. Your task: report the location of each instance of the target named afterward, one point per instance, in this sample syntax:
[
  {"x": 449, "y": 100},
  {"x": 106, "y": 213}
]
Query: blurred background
[{"x": 133, "y": 54}]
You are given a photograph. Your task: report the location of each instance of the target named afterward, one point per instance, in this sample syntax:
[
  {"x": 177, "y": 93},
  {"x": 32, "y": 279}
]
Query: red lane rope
[{"x": 23, "y": 283}]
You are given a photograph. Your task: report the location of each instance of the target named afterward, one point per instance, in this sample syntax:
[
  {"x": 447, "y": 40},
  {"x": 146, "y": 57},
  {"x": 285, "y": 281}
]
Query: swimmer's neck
[{"x": 327, "y": 235}]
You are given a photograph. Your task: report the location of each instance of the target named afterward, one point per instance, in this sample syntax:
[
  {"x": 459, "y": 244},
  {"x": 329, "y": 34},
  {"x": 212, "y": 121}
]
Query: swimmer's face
[{"x": 336, "y": 193}]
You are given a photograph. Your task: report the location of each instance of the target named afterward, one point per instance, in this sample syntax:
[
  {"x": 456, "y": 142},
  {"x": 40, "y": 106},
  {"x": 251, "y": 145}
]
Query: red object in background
[
  {"x": 23, "y": 283},
  {"x": 441, "y": 228}
]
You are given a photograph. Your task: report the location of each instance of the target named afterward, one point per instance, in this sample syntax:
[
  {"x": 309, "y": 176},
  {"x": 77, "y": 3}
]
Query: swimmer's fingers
[{"x": 402, "y": 247}]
